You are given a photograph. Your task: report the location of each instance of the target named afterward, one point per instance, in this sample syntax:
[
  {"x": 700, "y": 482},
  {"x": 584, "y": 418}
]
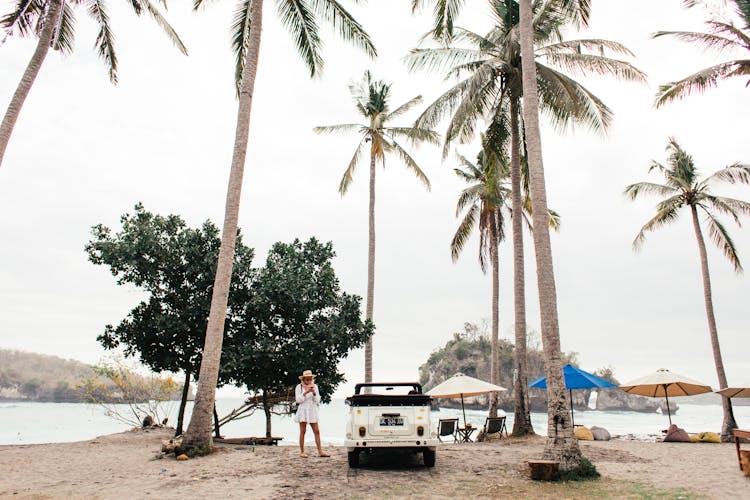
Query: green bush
[{"x": 585, "y": 471}]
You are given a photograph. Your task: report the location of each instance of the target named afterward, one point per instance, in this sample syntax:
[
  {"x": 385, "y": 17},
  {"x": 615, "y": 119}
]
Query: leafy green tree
[
  {"x": 684, "y": 189},
  {"x": 175, "y": 265},
  {"x": 301, "y": 18},
  {"x": 490, "y": 88},
  {"x": 298, "y": 318},
  {"x": 53, "y": 22},
  {"x": 371, "y": 98},
  {"x": 722, "y": 36}
]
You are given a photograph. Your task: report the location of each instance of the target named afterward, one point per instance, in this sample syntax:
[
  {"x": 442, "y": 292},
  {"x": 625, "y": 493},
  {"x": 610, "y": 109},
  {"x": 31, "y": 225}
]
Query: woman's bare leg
[
  {"x": 302, "y": 429},
  {"x": 316, "y": 432}
]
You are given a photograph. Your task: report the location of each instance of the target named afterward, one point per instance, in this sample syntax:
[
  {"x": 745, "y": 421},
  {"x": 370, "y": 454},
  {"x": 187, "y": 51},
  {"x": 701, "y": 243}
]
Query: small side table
[{"x": 464, "y": 434}]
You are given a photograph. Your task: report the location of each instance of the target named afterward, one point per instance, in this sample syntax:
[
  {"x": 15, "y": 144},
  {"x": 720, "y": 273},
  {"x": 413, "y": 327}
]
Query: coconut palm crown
[
  {"x": 29, "y": 16},
  {"x": 490, "y": 71},
  {"x": 371, "y": 99},
  {"x": 684, "y": 189},
  {"x": 722, "y": 35}
]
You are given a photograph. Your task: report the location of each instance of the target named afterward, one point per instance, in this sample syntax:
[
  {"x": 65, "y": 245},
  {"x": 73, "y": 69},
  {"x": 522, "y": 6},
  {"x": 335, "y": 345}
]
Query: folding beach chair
[
  {"x": 494, "y": 426},
  {"x": 448, "y": 427}
]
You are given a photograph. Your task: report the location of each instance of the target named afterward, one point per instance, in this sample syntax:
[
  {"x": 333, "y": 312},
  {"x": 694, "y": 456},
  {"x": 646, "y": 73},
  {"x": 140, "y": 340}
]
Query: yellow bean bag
[
  {"x": 709, "y": 437},
  {"x": 695, "y": 438},
  {"x": 584, "y": 434}
]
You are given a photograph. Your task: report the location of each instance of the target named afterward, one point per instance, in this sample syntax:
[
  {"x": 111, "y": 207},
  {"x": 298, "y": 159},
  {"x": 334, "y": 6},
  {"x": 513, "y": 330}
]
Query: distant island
[
  {"x": 27, "y": 376},
  {"x": 468, "y": 352}
]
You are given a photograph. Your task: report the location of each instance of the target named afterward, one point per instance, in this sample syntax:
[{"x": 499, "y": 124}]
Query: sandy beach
[{"x": 125, "y": 466}]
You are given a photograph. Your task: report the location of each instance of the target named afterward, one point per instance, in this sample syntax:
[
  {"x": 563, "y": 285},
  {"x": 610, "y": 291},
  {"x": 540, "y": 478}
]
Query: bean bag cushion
[
  {"x": 583, "y": 433},
  {"x": 676, "y": 435},
  {"x": 709, "y": 437},
  {"x": 695, "y": 438},
  {"x": 600, "y": 433}
]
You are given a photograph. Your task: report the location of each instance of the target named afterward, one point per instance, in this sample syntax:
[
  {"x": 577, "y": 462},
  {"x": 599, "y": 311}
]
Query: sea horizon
[{"x": 24, "y": 423}]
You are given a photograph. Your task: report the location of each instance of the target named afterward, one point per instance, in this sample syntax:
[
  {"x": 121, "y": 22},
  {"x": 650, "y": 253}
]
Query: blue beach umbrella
[{"x": 575, "y": 378}]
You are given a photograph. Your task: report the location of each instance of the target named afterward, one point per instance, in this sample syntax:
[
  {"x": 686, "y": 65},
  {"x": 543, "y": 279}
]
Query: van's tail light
[
  {"x": 420, "y": 431},
  {"x": 362, "y": 431}
]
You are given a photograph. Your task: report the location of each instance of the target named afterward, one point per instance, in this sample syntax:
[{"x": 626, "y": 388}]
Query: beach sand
[{"x": 124, "y": 466}]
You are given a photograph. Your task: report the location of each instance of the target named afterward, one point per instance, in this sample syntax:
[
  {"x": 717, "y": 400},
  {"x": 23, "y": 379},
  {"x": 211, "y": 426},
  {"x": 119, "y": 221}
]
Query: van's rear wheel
[
  {"x": 354, "y": 459},
  {"x": 429, "y": 458}
]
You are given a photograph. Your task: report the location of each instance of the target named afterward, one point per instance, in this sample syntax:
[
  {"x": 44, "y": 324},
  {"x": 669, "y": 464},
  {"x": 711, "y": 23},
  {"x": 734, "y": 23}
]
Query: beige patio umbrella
[
  {"x": 662, "y": 384},
  {"x": 735, "y": 392},
  {"x": 460, "y": 385}
]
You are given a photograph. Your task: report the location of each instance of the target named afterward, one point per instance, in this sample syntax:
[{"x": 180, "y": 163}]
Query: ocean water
[{"x": 27, "y": 423}]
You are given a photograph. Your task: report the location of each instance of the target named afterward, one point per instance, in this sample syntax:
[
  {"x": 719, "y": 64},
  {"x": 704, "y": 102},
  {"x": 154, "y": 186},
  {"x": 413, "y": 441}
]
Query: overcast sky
[{"x": 84, "y": 152}]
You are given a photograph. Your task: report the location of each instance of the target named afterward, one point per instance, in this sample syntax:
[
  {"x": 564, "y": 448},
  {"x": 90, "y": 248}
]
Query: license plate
[{"x": 391, "y": 421}]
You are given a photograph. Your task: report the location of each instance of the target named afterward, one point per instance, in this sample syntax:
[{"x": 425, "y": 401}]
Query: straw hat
[{"x": 306, "y": 373}]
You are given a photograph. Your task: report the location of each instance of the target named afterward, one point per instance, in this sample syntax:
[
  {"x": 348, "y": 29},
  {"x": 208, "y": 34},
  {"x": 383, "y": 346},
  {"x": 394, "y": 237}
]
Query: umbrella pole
[
  {"x": 669, "y": 414},
  {"x": 462, "y": 409},
  {"x": 572, "y": 419}
]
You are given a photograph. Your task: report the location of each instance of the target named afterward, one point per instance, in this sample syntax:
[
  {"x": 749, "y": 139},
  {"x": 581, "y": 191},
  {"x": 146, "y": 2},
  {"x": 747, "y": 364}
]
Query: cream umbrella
[
  {"x": 662, "y": 384},
  {"x": 735, "y": 392},
  {"x": 460, "y": 385}
]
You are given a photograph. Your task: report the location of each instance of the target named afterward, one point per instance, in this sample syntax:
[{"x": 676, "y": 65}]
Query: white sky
[{"x": 85, "y": 151}]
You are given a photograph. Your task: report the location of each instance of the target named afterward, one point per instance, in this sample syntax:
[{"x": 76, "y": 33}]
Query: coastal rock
[{"x": 615, "y": 399}]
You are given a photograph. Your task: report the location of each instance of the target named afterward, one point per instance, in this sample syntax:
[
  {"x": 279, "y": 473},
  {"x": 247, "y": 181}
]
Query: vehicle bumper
[{"x": 365, "y": 443}]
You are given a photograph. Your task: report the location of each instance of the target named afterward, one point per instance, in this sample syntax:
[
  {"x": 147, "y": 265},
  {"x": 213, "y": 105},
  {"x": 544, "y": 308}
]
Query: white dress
[{"x": 307, "y": 411}]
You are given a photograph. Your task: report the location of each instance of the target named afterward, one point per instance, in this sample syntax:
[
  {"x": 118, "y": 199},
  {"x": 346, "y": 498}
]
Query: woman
[{"x": 307, "y": 397}]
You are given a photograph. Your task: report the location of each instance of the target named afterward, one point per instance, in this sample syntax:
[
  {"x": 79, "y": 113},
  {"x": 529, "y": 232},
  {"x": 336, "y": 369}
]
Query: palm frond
[
  {"x": 104, "y": 39},
  {"x": 300, "y": 22},
  {"x": 699, "y": 82},
  {"x": 415, "y": 134},
  {"x": 410, "y": 164},
  {"x": 464, "y": 231},
  {"x": 348, "y": 176},
  {"x": 634, "y": 190},
  {"x": 722, "y": 240},
  {"x": 441, "y": 59},
  {"x": 336, "y": 129},
  {"x": 708, "y": 41},
  {"x": 404, "y": 108},
  {"x": 468, "y": 196},
  {"x": 21, "y": 18},
  {"x": 587, "y": 64},
  {"x": 566, "y": 102},
  {"x": 65, "y": 33},
  {"x": 163, "y": 24},
  {"x": 728, "y": 206},
  {"x": 662, "y": 218},
  {"x": 240, "y": 30},
  {"x": 554, "y": 220},
  {"x": 597, "y": 45},
  {"x": 349, "y": 29},
  {"x": 444, "y": 15},
  {"x": 733, "y": 174}
]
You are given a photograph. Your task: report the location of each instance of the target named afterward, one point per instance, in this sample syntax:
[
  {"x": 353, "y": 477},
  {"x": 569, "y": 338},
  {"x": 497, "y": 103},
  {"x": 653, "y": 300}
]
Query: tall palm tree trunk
[
  {"x": 370, "y": 266},
  {"x": 494, "y": 362},
  {"x": 198, "y": 436},
  {"x": 32, "y": 70},
  {"x": 521, "y": 411},
  {"x": 561, "y": 443},
  {"x": 729, "y": 423}
]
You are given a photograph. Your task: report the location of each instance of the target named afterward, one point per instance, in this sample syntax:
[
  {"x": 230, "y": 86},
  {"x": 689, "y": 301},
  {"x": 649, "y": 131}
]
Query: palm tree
[
  {"x": 493, "y": 91},
  {"x": 722, "y": 35},
  {"x": 684, "y": 189},
  {"x": 484, "y": 201},
  {"x": 301, "y": 18},
  {"x": 53, "y": 21},
  {"x": 371, "y": 100},
  {"x": 561, "y": 444}
]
